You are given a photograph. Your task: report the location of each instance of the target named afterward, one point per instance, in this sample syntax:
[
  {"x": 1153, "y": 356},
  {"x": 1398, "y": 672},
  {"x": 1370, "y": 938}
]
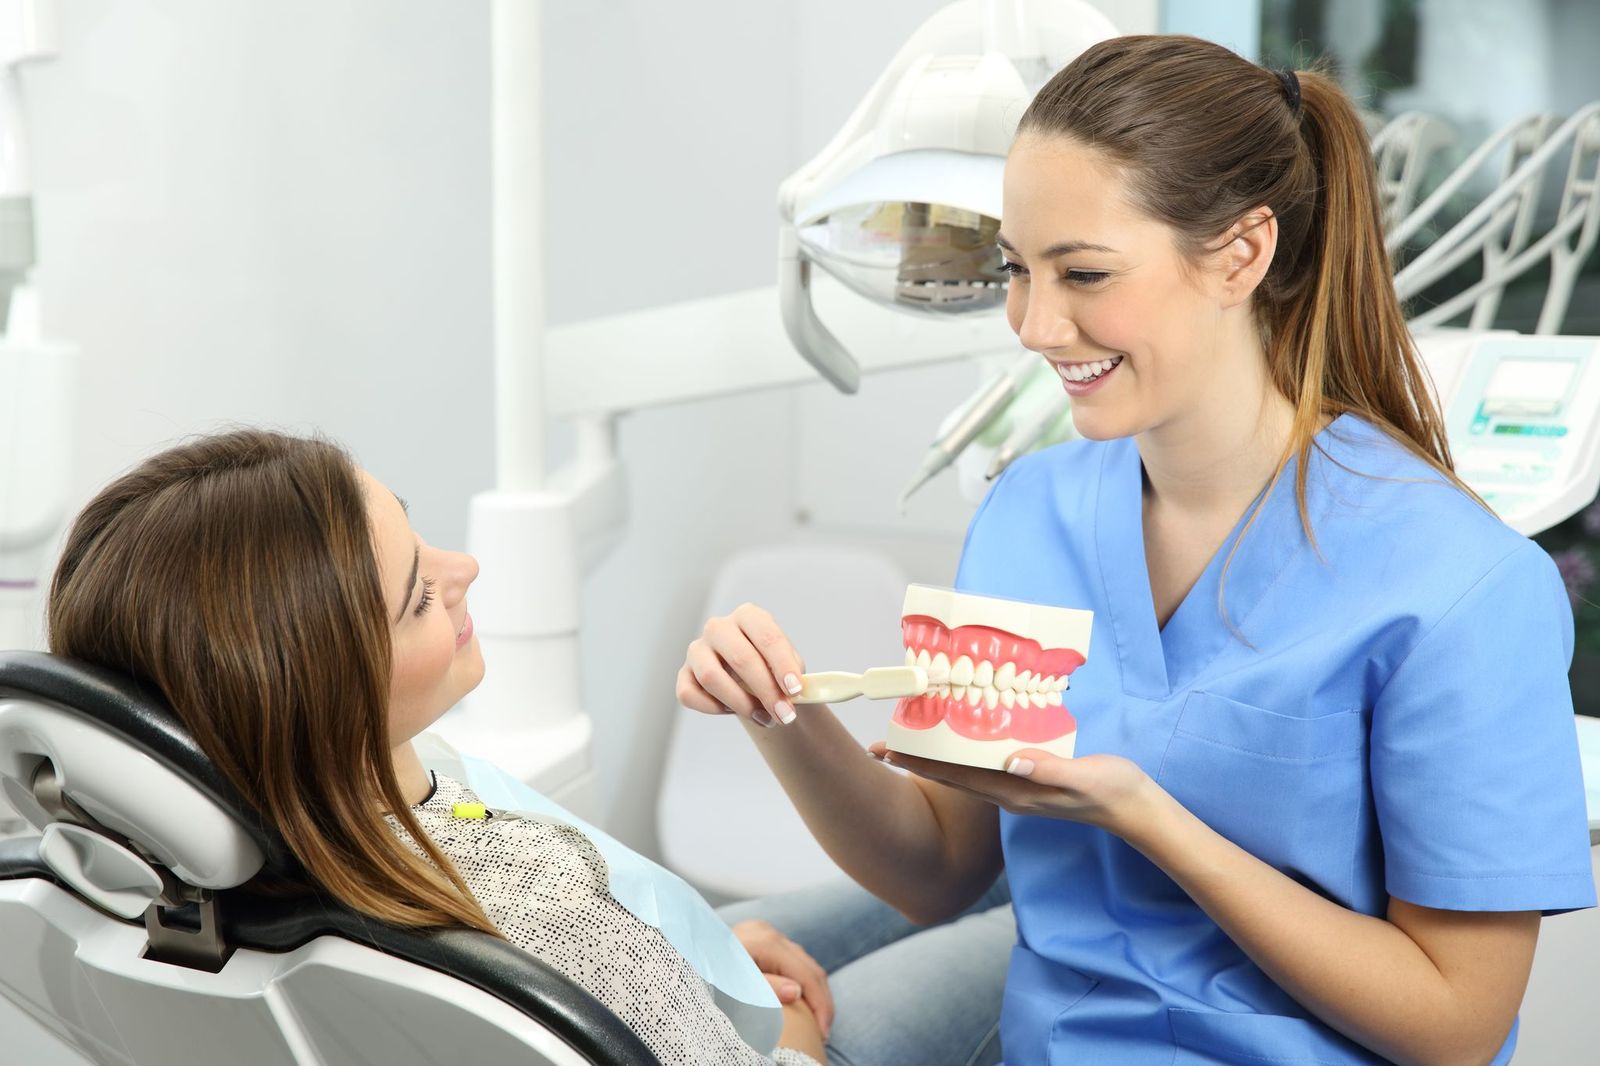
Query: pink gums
[{"x": 1029, "y": 724}]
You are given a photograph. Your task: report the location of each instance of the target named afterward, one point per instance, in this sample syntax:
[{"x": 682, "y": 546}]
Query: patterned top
[{"x": 546, "y": 889}]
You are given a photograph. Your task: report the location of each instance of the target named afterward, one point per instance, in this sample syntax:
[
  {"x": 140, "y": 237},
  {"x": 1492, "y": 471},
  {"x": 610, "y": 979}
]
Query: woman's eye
[
  {"x": 1087, "y": 277},
  {"x": 1014, "y": 269},
  {"x": 427, "y": 597}
]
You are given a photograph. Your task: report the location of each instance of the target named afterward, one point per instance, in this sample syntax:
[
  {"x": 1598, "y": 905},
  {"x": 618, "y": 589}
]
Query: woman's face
[
  {"x": 1101, "y": 291},
  {"x": 436, "y": 656}
]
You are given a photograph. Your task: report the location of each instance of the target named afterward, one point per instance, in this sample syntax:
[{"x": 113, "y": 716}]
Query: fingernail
[
  {"x": 888, "y": 757},
  {"x": 1020, "y": 766},
  {"x": 761, "y": 717},
  {"x": 785, "y": 712},
  {"x": 792, "y": 683},
  {"x": 871, "y": 754}
]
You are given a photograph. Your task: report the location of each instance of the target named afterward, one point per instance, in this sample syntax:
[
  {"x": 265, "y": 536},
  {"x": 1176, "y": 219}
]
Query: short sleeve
[{"x": 1475, "y": 770}]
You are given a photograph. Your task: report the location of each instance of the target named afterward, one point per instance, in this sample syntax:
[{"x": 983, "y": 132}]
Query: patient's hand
[
  {"x": 794, "y": 974},
  {"x": 801, "y": 1032}
]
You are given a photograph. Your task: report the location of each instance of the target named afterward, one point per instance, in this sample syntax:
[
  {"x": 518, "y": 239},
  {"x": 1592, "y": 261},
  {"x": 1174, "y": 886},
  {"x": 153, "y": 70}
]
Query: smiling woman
[{"x": 1302, "y": 824}]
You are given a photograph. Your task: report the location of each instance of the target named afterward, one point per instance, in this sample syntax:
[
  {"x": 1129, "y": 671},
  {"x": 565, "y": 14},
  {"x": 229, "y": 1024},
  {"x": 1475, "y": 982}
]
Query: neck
[
  {"x": 1219, "y": 453},
  {"x": 412, "y": 775}
]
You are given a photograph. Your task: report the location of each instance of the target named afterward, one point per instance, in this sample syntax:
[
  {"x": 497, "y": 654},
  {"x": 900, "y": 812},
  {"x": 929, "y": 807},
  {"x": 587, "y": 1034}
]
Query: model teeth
[
  {"x": 1080, "y": 372},
  {"x": 984, "y": 683}
]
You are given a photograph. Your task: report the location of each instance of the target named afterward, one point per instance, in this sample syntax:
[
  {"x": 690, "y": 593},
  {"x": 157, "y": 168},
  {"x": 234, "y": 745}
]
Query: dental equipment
[
  {"x": 970, "y": 421},
  {"x": 903, "y": 204},
  {"x": 1452, "y": 247},
  {"x": 1030, "y": 433},
  {"x": 1567, "y": 244},
  {"x": 1401, "y": 151},
  {"x": 878, "y": 683}
]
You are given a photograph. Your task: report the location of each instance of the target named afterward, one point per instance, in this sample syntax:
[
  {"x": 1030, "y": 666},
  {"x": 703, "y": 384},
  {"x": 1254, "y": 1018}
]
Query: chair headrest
[{"x": 121, "y": 755}]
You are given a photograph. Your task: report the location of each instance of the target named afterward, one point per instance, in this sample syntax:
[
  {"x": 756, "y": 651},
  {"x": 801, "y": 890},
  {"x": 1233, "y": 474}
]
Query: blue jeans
[{"x": 904, "y": 994}]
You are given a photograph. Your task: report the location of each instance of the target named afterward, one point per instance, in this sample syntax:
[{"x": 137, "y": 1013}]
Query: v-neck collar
[{"x": 1158, "y": 661}]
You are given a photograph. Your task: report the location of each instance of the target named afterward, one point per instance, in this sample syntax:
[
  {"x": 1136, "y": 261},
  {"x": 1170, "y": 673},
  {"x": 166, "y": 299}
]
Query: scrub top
[{"x": 1385, "y": 712}]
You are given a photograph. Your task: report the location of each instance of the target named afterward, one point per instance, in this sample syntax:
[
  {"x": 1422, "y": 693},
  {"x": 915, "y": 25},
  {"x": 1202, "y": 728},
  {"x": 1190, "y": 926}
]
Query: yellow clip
[{"x": 470, "y": 810}]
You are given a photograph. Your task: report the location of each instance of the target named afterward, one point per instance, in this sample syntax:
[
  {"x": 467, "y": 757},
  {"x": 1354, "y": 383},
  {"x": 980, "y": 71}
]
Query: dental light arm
[
  {"x": 1526, "y": 134},
  {"x": 1567, "y": 244},
  {"x": 1401, "y": 151},
  {"x": 1424, "y": 269}
]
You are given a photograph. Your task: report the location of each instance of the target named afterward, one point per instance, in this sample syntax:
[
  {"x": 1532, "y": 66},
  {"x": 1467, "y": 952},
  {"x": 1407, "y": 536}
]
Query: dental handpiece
[
  {"x": 1028, "y": 434},
  {"x": 978, "y": 414}
]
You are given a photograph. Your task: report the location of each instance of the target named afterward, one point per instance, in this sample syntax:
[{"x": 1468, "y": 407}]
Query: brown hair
[
  {"x": 1202, "y": 137},
  {"x": 237, "y": 575}
]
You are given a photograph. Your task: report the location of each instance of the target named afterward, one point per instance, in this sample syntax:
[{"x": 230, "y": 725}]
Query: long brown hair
[
  {"x": 236, "y": 574},
  {"x": 1203, "y": 136}
]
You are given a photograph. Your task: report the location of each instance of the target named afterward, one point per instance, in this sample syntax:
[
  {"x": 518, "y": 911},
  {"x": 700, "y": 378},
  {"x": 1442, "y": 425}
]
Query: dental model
[{"x": 996, "y": 673}]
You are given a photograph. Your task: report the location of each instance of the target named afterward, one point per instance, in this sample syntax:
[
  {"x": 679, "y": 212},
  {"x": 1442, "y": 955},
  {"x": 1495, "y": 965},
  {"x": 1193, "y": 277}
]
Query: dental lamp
[
  {"x": 903, "y": 205},
  {"x": 36, "y": 375}
]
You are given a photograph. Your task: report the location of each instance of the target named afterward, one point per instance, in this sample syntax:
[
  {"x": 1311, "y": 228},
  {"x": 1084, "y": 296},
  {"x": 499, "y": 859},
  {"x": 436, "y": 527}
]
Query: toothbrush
[{"x": 879, "y": 683}]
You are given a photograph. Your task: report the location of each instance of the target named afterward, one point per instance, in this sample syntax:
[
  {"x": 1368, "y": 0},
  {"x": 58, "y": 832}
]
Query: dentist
[{"x": 1328, "y": 779}]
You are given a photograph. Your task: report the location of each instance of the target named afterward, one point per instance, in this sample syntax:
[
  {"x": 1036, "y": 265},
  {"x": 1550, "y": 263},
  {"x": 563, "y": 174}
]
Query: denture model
[{"x": 997, "y": 670}]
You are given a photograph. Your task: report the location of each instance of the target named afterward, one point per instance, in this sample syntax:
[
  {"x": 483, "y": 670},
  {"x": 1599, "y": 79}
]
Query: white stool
[{"x": 724, "y": 823}]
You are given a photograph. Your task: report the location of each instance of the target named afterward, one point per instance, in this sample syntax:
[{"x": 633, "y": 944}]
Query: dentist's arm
[{"x": 925, "y": 849}]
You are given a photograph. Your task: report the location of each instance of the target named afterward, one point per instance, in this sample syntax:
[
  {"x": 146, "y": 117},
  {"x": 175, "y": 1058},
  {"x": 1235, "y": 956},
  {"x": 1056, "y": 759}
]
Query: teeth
[
  {"x": 1088, "y": 371},
  {"x": 939, "y": 671},
  {"x": 984, "y": 675},
  {"x": 958, "y": 692},
  {"x": 911, "y": 657},
  {"x": 974, "y": 695},
  {"x": 961, "y": 673},
  {"x": 1024, "y": 681},
  {"x": 1008, "y": 698},
  {"x": 1005, "y": 677},
  {"x": 1053, "y": 699},
  {"x": 991, "y": 698},
  {"x": 924, "y": 660},
  {"x": 1037, "y": 699}
]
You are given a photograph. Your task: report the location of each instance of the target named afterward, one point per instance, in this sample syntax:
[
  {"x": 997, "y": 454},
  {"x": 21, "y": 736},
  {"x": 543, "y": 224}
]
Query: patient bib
[{"x": 656, "y": 896}]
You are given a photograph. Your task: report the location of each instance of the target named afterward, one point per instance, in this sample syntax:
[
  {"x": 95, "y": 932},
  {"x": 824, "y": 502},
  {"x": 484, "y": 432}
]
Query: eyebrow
[{"x": 1060, "y": 248}]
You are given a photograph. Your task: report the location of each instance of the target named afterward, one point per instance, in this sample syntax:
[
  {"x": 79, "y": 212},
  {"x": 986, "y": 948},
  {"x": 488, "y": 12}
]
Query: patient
[{"x": 276, "y": 595}]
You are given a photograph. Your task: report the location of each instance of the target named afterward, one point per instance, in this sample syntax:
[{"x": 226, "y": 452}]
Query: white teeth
[
  {"x": 1053, "y": 699},
  {"x": 924, "y": 660},
  {"x": 1005, "y": 677},
  {"x": 958, "y": 692},
  {"x": 1036, "y": 698},
  {"x": 991, "y": 698},
  {"x": 911, "y": 657},
  {"x": 974, "y": 695},
  {"x": 984, "y": 675},
  {"x": 1024, "y": 681},
  {"x": 1080, "y": 372},
  {"x": 939, "y": 671},
  {"x": 1008, "y": 698},
  {"x": 961, "y": 673}
]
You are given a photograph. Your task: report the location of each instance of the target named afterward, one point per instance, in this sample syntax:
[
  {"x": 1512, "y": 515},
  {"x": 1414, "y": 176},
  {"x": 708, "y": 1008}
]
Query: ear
[{"x": 1246, "y": 256}]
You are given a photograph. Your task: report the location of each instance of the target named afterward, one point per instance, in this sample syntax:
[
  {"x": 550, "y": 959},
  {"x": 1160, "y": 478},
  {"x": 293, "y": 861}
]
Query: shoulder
[
  {"x": 1388, "y": 523},
  {"x": 1364, "y": 485}
]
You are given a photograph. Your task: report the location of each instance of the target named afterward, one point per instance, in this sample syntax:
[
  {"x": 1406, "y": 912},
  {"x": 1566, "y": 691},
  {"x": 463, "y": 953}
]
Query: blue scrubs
[{"x": 1395, "y": 721}]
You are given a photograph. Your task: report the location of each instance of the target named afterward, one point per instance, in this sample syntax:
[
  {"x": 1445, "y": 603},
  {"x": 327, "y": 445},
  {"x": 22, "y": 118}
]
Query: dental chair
[{"x": 126, "y": 940}]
